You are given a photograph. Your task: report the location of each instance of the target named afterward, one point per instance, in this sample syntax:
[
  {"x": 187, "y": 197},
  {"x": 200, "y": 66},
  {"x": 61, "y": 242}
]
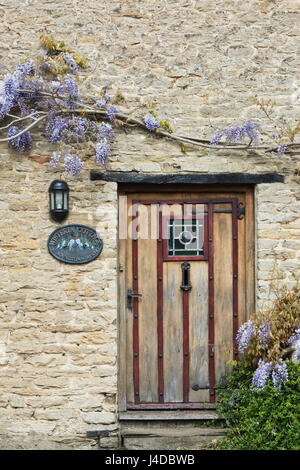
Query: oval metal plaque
[{"x": 75, "y": 244}]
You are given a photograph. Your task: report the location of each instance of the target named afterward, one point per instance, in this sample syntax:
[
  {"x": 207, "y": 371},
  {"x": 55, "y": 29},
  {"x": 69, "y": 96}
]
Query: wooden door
[{"x": 184, "y": 291}]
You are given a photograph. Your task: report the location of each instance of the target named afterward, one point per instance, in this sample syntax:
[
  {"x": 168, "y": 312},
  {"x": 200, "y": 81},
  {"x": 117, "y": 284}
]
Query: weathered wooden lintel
[{"x": 187, "y": 178}]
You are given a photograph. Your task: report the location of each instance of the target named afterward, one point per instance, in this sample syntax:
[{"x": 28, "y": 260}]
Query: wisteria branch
[
  {"x": 19, "y": 119},
  {"x": 69, "y": 120},
  {"x": 128, "y": 120},
  {"x": 26, "y": 129}
]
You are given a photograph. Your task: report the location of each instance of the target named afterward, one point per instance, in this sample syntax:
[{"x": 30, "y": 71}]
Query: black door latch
[{"x": 130, "y": 297}]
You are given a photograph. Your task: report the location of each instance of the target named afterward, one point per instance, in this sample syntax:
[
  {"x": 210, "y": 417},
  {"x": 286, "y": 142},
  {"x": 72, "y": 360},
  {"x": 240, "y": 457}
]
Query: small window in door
[{"x": 185, "y": 238}]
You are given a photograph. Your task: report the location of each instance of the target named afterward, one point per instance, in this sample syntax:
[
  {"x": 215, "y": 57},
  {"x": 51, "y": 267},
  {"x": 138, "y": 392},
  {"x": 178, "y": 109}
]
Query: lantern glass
[
  {"x": 52, "y": 203},
  {"x": 59, "y": 200},
  {"x": 66, "y": 197}
]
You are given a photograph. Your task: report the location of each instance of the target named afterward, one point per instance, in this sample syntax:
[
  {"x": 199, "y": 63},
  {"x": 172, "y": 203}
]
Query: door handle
[
  {"x": 185, "y": 282},
  {"x": 130, "y": 297}
]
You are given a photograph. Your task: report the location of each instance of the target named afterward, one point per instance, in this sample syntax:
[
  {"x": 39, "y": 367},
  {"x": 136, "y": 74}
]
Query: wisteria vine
[
  {"x": 277, "y": 371},
  {"x": 47, "y": 94}
]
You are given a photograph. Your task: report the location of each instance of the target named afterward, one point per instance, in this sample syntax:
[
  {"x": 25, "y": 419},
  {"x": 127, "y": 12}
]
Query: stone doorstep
[
  {"x": 168, "y": 429},
  {"x": 191, "y": 431},
  {"x": 170, "y": 438}
]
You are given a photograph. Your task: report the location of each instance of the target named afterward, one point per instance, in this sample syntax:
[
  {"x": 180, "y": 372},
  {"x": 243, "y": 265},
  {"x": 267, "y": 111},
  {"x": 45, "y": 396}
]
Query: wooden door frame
[{"x": 124, "y": 189}]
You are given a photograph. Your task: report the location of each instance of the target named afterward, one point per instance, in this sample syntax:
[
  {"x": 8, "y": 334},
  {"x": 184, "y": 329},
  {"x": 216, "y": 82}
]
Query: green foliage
[
  {"x": 53, "y": 46},
  {"x": 118, "y": 98},
  {"x": 182, "y": 147},
  {"x": 165, "y": 124},
  {"x": 54, "y": 57},
  {"x": 260, "y": 420},
  {"x": 283, "y": 318}
]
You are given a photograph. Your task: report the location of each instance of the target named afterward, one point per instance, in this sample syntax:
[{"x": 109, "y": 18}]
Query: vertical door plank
[
  {"x": 147, "y": 281},
  {"x": 173, "y": 332},
  {"x": 241, "y": 265},
  {"x": 223, "y": 290},
  {"x": 129, "y": 313},
  {"x": 198, "y": 331},
  {"x": 250, "y": 254},
  {"x": 122, "y": 339}
]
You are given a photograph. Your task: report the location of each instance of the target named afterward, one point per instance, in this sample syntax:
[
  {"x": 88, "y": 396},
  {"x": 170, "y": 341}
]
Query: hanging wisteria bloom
[
  {"x": 282, "y": 146},
  {"x": 104, "y": 100},
  {"x": 70, "y": 61},
  {"x": 111, "y": 112},
  {"x": 102, "y": 151},
  {"x": 280, "y": 375},
  {"x": 22, "y": 143},
  {"x": 150, "y": 122},
  {"x": 55, "y": 128},
  {"x": 264, "y": 333},
  {"x": 55, "y": 157},
  {"x": 295, "y": 342},
  {"x": 244, "y": 335},
  {"x": 237, "y": 133},
  {"x": 281, "y": 149},
  {"x": 8, "y": 94},
  {"x": 105, "y": 130},
  {"x": 70, "y": 89},
  {"x": 261, "y": 375},
  {"x": 73, "y": 165}
]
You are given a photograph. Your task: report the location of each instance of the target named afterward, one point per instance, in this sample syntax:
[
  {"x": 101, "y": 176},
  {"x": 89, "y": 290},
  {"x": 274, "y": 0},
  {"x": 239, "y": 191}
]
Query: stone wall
[{"x": 201, "y": 62}]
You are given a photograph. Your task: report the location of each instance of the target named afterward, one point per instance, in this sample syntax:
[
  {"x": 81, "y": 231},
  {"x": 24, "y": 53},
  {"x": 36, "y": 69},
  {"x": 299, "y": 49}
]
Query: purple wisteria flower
[
  {"x": 101, "y": 103},
  {"x": 70, "y": 61},
  {"x": 244, "y": 335},
  {"x": 237, "y": 133},
  {"x": 295, "y": 342},
  {"x": 150, "y": 122},
  {"x": 280, "y": 375},
  {"x": 282, "y": 146},
  {"x": 281, "y": 149},
  {"x": 25, "y": 69},
  {"x": 104, "y": 100},
  {"x": 8, "y": 94},
  {"x": 105, "y": 135},
  {"x": 294, "y": 337},
  {"x": 261, "y": 375},
  {"x": 55, "y": 157},
  {"x": 55, "y": 128},
  {"x": 79, "y": 127},
  {"x": 46, "y": 57},
  {"x": 111, "y": 112},
  {"x": 70, "y": 91},
  {"x": 102, "y": 151},
  {"x": 105, "y": 130},
  {"x": 20, "y": 143},
  {"x": 73, "y": 165},
  {"x": 264, "y": 333}
]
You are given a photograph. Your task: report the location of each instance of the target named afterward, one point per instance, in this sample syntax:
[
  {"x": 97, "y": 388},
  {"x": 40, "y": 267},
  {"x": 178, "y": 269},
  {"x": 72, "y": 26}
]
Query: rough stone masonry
[{"x": 201, "y": 62}]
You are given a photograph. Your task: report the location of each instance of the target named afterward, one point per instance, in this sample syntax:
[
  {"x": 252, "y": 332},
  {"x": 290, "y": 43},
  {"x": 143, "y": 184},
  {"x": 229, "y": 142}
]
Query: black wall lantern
[{"x": 59, "y": 200}]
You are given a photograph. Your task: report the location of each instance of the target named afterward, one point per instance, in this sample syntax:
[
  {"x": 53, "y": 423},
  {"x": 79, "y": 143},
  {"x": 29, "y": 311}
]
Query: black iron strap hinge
[{"x": 240, "y": 210}]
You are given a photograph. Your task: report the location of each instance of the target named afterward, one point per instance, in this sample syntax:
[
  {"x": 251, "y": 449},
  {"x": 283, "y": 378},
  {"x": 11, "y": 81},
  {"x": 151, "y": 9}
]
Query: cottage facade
[{"x": 76, "y": 351}]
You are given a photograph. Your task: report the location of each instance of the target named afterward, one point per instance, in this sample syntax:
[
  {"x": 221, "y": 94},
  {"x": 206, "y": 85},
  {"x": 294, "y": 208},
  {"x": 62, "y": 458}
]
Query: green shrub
[{"x": 265, "y": 419}]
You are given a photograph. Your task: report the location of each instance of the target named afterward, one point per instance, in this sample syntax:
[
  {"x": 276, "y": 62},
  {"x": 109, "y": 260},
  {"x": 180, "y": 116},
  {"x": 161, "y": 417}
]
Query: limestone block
[{"x": 102, "y": 417}]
